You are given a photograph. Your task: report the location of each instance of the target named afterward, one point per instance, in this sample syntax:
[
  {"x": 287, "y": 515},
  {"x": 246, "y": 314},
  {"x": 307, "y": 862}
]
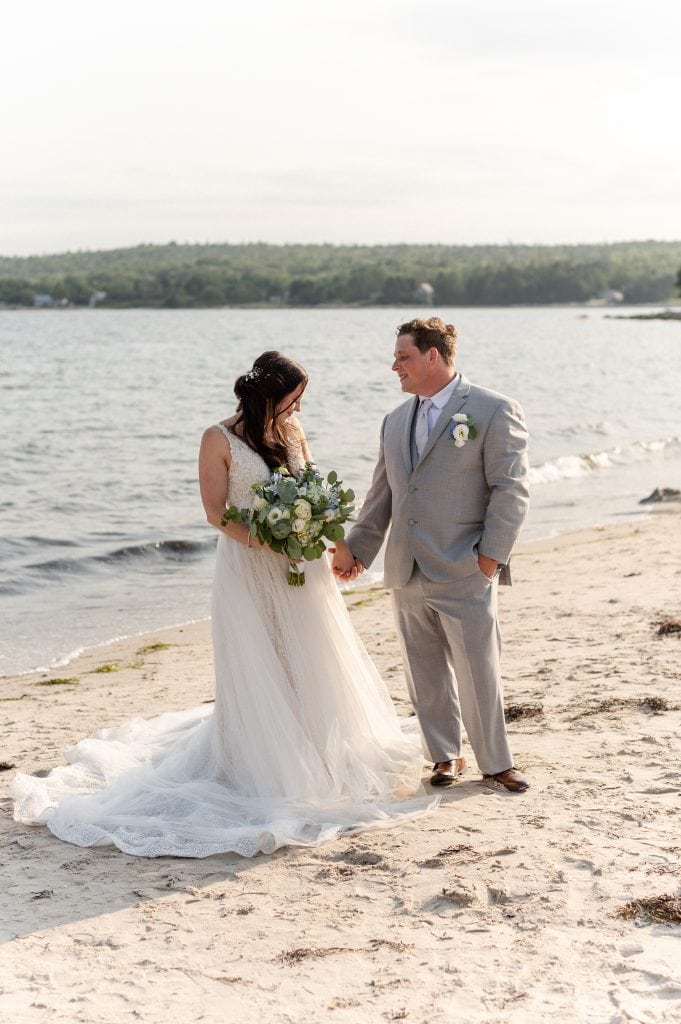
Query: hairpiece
[{"x": 253, "y": 374}]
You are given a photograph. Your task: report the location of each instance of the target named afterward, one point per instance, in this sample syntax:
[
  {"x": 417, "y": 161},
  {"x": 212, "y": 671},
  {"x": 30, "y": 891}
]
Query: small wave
[
  {"x": 10, "y": 589},
  {"x": 174, "y": 550},
  {"x": 50, "y": 542},
  {"x": 161, "y": 550},
  {"x": 596, "y": 427},
  {"x": 64, "y": 659},
  {"x": 569, "y": 467},
  {"x": 57, "y": 565}
]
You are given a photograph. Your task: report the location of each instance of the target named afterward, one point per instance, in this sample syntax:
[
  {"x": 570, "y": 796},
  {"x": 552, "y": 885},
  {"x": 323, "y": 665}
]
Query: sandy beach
[{"x": 496, "y": 908}]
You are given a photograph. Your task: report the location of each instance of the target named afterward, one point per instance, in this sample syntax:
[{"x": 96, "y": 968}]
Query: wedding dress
[{"x": 301, "y": 745}]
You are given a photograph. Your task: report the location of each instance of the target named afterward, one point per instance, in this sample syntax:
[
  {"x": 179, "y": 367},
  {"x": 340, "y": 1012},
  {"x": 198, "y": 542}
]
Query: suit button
[
  {"x": 413, "y": 522},
  {"x": 412, "y": 489}
]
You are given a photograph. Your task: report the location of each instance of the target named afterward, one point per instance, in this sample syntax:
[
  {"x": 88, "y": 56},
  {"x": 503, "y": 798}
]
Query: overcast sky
[{"x": 368, "y": 121}]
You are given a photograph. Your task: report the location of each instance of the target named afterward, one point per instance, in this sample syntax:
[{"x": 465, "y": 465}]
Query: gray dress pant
[{"x": 451, "y": 645}]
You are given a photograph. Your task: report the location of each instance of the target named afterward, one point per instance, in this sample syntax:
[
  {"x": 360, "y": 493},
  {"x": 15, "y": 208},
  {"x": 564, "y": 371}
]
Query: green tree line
[{"x": 174, "y": 276}]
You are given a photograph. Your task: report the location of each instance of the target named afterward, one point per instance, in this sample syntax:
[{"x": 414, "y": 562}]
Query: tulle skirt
[{"x": 302, "y": 744}]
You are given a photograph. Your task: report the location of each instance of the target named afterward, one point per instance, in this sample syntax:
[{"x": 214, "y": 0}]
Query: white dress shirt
[{"x": 440, "y": 400}]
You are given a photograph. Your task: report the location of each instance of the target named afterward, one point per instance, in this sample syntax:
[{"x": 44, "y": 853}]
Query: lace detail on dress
[{"x": 247, "y": 468}]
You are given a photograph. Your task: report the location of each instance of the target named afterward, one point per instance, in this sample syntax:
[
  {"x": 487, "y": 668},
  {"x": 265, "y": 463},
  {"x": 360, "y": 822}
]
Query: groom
[{"x": 451, "y": 483}]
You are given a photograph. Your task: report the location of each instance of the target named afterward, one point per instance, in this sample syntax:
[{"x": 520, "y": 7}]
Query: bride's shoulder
[{"x": 218, "y": 437}]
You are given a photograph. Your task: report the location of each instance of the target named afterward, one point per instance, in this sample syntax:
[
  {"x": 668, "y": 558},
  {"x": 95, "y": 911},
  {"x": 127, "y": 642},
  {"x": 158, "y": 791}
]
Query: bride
[{"x": 303, "y": 742}]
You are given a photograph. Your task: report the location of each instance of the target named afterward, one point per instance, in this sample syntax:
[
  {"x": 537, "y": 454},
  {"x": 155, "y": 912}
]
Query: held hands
[{"x": 344, "y": 565}]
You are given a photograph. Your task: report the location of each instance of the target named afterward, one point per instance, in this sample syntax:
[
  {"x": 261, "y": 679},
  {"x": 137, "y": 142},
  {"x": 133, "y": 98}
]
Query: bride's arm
[{"x": 215, "y": 459}]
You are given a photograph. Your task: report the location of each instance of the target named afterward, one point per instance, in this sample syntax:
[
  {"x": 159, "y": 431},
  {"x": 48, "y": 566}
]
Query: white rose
[
  {"x": 460, "y": 435},
  {"x": 460, "y": 417},
  {"x": 302, "y": 508},
  {"x": 259, "y": 503},
  {"x": 298, "y": 526},
  {"x": 329, "y": 515},
  {"x": 274, "y": 515}
]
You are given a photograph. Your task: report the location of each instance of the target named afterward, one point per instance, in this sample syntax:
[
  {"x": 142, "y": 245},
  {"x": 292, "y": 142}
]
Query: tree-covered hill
[{"x": 308, "y": 275}]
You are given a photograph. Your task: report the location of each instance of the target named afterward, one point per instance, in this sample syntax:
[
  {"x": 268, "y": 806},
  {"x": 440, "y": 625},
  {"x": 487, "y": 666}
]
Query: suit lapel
[{"x": 454, "y": 405}]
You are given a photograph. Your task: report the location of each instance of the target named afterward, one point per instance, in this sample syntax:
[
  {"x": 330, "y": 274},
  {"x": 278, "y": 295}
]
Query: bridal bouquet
[{"x": 294, "y": 515}]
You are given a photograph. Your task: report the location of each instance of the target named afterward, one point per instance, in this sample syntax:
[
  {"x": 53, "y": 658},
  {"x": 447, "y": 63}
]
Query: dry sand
[{"x": 497, "y": 908}]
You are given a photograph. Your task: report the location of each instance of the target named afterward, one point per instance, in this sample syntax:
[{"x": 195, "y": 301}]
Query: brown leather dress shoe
[
  {"x": 445, "y": 773},
  {"x": 511, "y": 779}
]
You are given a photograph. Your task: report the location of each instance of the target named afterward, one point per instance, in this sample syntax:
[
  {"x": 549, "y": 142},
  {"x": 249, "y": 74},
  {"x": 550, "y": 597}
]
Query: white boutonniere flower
[{"x": 463, "y": 429}]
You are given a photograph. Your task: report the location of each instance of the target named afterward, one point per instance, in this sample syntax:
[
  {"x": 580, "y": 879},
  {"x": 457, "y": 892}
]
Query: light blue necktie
[{"x": 422, "y": 427}]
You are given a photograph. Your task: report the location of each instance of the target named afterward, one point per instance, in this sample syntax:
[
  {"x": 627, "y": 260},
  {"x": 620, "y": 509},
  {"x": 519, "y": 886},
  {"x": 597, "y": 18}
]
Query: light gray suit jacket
[{"x": 454, "y": 502}]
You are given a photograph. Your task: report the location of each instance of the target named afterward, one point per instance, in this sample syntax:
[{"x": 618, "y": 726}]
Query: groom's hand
[
  {"x": 487, "y": 565},
  {"x": 344, "y": 565}
]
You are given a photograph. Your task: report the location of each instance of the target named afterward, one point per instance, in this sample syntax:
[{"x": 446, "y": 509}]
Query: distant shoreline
[
  {"x": 585, "y": 308},
  {"x": 326, "y": 276}
]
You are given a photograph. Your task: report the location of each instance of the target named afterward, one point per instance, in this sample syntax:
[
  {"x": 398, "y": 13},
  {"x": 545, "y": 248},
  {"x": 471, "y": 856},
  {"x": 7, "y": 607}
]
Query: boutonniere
[{"x": 463, "y": 429}]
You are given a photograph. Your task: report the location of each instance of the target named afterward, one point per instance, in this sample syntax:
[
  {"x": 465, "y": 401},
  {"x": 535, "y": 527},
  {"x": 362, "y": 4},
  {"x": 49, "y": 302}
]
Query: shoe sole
[
  {"x": 445, "y": 781},
  {"x": 509, "y": 789}
]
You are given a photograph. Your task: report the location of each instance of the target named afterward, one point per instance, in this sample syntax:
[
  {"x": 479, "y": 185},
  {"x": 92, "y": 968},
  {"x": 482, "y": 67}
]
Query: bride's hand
[{"x": 344, "y": 565}]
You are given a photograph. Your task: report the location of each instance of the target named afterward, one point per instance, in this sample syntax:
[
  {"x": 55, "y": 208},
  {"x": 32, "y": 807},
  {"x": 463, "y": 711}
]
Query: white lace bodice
[{"x": 248, "y": 468}]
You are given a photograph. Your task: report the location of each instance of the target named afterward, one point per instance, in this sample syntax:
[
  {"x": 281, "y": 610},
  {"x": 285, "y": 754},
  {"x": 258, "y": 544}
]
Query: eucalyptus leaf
[
  {"x": 281, "y": 528},
  {"x": 287, "y": 490},
  {"x": 294, "y": 548}
]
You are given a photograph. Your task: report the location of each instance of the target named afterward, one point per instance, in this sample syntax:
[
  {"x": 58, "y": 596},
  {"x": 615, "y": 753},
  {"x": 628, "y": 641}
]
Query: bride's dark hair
[{"x": 259, "y": 392}]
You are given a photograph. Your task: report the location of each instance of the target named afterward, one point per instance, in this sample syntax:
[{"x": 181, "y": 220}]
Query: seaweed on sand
[
  {"x": 514, "y": 712},
  {"x": 658, "y": 909}
]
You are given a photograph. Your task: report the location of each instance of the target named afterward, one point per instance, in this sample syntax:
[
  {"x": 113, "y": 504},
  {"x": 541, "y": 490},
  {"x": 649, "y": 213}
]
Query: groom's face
[{"x": 412, "y": 366}]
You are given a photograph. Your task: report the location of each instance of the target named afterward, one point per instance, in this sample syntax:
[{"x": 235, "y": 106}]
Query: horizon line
[{"x": 343, "y": 245}]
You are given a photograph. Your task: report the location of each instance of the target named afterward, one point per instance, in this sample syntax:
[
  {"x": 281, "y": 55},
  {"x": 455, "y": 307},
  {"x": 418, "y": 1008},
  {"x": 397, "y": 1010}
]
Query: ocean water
[{"x": 102, "y": 532}]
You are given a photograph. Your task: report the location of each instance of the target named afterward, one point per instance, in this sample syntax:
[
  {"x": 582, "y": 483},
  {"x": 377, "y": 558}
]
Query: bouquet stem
[{"x": 296, "y": 575}]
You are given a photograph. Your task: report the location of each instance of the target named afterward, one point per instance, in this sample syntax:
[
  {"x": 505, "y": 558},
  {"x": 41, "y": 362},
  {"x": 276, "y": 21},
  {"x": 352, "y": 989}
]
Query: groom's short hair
[{"x": 432, "y": 333}]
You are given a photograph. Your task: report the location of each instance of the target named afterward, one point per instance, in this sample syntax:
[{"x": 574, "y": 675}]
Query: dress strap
[{"x": 225, "y": 431}]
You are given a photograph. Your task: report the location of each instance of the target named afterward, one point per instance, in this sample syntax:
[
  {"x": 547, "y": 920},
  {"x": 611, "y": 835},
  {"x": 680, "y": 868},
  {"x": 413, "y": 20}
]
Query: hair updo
[{"x": 259, "y": 391}]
